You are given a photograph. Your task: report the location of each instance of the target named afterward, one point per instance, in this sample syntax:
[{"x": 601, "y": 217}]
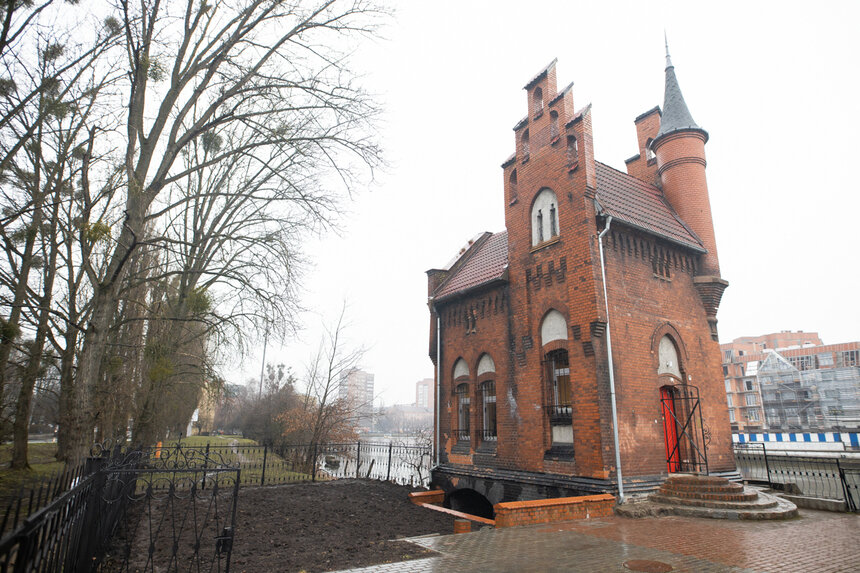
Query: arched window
[
  {"x": 553, "y": 327},
  {"x": 537, "y": 102},
  {"x": 461, "y": 369},
  {"x": 512, "y": 186},
  {"x": 649, "y": 153},
  {"x": 544, "y": 217},
  {"x": 525, "y": 144},
  {"x": 668, "y": 356},
  {"x": 572, "y": 150},
  {"x": 463, "y": 412},
  {"x": 553, "y": 125}
]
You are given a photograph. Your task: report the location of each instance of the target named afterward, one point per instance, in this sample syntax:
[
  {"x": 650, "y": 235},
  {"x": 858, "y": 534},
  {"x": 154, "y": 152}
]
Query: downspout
[
  {"x": 611, "y": 366},
  {"x": 438, "y": 380}
]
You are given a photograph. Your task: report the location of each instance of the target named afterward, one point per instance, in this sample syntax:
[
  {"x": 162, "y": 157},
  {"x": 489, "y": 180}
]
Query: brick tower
[{"x": 679, "y": 147}]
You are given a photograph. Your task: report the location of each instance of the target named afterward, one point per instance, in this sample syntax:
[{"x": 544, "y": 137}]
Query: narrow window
[
  {"x": 463, "y": 412},
  {"x": 553, "y": 221},
  {"x": 553, "y": 125},
  {"x": 649, "y": 153},
  {"x": 512, "y": 186},
  {"x": 540, "y": 226},
  {"x": 488, "y": 395},
  {"x": 559, "y": 408},
  {"x": 572, "y": 150},
  {"x": 525, "y": 143},
  {"x": 537, "y": 99}
]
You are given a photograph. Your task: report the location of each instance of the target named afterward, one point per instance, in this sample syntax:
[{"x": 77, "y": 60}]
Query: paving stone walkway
[{"x": 817, "y": 541}]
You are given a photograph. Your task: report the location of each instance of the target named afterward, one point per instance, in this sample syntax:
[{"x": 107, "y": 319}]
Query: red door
[{"x": 670, "y": 429}]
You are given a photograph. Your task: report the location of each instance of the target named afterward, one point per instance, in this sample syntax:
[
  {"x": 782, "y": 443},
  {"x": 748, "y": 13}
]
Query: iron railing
[
  {"x": 560, "y": 414},
  {"x": 804, "y": 473}
]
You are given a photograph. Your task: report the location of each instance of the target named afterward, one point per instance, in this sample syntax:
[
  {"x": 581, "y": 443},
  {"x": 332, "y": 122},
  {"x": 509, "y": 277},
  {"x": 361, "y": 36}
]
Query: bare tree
[
  {"x": 323, "y": 415},
  {"x": 261, "y": 68}
]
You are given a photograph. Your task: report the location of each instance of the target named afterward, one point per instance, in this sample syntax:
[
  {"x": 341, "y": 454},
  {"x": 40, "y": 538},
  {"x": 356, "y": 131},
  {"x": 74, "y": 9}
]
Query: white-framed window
[
  {"x": 544, "y": 217},
  {"x": 751, "y": 400}
]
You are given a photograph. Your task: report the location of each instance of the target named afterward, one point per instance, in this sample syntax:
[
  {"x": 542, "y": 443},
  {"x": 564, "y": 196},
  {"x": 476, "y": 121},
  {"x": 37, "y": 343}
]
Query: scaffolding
[{"x": 809, "y": 392}]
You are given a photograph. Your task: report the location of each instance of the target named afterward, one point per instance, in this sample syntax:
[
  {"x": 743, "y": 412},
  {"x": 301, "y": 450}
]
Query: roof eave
[
  {"x": 652, "y": 232},
  {"x": 464, "y": 291}
]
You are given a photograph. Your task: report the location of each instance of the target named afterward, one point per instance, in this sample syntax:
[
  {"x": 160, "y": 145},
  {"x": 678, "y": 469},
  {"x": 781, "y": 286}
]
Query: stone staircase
[{"x": 709, "y": 496}]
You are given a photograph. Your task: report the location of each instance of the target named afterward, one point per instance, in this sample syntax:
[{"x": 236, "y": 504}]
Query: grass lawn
[{"x": 43, "y": 464}]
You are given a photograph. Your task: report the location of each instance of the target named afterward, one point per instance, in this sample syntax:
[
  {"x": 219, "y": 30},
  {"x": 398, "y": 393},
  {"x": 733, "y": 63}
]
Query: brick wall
[{"x": 515, "y": 513}]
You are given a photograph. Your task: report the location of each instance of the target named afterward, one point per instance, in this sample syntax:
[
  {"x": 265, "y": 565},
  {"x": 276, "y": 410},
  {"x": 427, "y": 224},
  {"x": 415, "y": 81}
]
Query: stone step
[
  {"x": 697, "y": 479},
  {"x": 771, "y": 507},
  {"x": 762, "y": 503},
  {"x": 740, "y": 495},
  {"x": 727, "y": 488}
]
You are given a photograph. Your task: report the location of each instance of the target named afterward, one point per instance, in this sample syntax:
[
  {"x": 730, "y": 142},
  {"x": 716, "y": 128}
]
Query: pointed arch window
[{"x": 553, "y": 126}]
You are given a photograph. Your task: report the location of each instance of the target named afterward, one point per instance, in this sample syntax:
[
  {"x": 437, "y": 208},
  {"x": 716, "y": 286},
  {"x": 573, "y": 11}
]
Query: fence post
[
  {"x": 205, "y": 466},
  {"x": 358, "y": 459},
  {"x": 388, "y": 473},
  {"x": 766, "y": 465},
  {"x": 265, "y": 455},
  {"x": 846, "y": 491},
  {"x": 314, "y": 465}
]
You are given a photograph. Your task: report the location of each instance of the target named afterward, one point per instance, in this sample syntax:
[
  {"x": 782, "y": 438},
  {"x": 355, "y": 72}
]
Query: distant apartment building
[
  {"x": 424, "y": 393},
  {"x": 805, "y": 385},
  {"x": 356, "y": 387}
]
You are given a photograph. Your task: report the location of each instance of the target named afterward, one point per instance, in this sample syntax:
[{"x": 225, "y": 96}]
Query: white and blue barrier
[{"x": 824, "y": 441}]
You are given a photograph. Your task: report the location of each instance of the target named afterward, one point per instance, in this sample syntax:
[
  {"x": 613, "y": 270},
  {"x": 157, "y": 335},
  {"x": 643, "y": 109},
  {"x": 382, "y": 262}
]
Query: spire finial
[{"x": 668, "y": 59}]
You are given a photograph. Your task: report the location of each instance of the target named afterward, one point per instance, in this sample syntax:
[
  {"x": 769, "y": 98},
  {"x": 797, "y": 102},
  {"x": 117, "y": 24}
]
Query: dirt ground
[{"x": 319, "y": 527}]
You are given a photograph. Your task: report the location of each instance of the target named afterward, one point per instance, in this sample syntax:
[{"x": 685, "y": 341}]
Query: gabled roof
[
  {"x": 643, "y": 206},
  {"x": 487, "y": 264}
]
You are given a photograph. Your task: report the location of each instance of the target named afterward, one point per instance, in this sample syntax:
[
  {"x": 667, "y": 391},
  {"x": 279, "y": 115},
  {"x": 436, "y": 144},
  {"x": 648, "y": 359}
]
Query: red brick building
[{"x": 523, "y": 337}]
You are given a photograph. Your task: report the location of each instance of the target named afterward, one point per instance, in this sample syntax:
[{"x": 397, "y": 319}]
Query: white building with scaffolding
[{"x": 809, "y": 388}]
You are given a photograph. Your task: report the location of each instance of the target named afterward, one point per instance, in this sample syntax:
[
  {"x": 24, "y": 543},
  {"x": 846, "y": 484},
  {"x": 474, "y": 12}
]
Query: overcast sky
[{"x": 775, "y": 84}]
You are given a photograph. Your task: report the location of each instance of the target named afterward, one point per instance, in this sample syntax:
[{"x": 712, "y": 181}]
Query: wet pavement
[{"x": 816, "y": 541}]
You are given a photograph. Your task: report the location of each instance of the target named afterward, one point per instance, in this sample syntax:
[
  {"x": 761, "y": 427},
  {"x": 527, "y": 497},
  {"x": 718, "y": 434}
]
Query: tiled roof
[
  {"x": 487, "y": 264},
  {"x": 641, "y": 205}
]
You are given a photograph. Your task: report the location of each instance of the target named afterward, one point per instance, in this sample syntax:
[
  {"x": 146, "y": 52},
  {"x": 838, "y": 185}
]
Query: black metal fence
[
  {"x": 127, "y": 511},
  {"x": 280, "y": 464},
  {"x": 173, "y": 508},
  {"x": 802, "y": 472}
]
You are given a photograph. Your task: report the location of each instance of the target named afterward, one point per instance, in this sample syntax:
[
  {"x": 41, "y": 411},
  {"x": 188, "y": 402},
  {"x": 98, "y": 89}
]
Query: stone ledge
[
  {"x": 434, "y": 496},
  {"x": 515, "y": 513}
]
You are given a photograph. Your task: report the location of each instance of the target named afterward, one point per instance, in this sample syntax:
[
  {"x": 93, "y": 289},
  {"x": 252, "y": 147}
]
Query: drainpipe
[
  {"x": 611, "y": 366},
  {"x": 438, "y": 378}
]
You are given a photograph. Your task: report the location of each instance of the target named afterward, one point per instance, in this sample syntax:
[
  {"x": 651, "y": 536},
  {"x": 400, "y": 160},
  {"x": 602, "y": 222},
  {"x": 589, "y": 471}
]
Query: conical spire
[{"x": 676, "y": 116}]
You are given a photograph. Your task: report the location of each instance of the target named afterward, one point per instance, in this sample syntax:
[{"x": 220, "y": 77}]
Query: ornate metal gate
[
  {"x": 178, "y": 511},
  {"x": 686, "y": 436}
]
